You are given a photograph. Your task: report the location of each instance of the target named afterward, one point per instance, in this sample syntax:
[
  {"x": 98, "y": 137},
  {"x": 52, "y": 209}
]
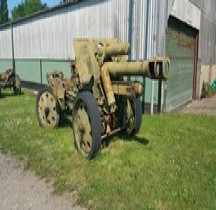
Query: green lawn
[{"x": 171, "y": 164}]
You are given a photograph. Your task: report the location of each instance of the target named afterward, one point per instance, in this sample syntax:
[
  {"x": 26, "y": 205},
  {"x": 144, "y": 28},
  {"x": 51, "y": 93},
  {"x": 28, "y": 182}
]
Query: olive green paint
[{"x": 147, "y": 84}]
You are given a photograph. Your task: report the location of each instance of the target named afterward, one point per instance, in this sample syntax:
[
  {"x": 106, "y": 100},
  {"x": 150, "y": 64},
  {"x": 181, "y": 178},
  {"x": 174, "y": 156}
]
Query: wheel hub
[
  {"x": 83, "y": 129},
  {"x": 47, "y": 111}
]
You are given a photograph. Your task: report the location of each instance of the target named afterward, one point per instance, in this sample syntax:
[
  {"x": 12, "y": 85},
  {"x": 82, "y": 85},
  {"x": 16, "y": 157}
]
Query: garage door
[{"x": 180, "y": 47}]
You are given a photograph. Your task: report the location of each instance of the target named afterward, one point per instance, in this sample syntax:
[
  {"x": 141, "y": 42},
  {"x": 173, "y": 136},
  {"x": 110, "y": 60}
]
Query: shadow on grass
[
  {"x": 124, "y": 137},
  {"x": 10, "y": 94},
  {"x": 65, "y": 120}
]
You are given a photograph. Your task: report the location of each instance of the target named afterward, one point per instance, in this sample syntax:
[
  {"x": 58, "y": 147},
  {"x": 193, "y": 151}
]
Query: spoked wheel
[
  {"x": 17, "y": 85},
  {"x": 48, "y": 111},
  {"x": 133, "y": 115},
  {"x": 86, "y": 125}
]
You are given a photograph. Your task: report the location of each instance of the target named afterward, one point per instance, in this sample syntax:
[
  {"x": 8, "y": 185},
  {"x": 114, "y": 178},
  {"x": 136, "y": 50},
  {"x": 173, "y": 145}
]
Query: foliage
[
  {"x": 170, "y": 164},
  {"x": 67, "y": 1},
  {"x": 207, "y": 90},
  {"x": 27, "y": 7},
  {"x": 3, "y": 12}
]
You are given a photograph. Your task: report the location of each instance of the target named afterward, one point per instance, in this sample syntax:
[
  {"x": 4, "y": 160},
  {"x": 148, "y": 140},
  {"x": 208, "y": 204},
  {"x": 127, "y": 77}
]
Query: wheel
[
  {"x": 86, "y": 125},
  {"x": 133, "y": 114},
  {"x": 17, "y": 85},
  {"x": 48, "y": 111}
]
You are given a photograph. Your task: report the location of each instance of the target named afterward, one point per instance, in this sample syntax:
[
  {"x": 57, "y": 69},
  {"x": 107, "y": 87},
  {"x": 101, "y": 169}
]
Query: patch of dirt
[
  {"x": 22, "y": 190},
  {"x": 205, "y": 106}
]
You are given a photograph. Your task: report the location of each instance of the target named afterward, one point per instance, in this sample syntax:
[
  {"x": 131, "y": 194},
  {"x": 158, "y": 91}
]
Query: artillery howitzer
[
  {"x": 9, "y": 79},
  {"x": 101, "y": 101}
]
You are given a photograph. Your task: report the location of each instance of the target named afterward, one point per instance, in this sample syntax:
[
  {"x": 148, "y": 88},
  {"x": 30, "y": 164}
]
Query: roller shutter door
[{"x": 180, "y": 47}]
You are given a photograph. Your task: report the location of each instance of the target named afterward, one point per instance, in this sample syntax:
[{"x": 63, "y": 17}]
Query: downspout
[
  {"x": 154, "y": 48},
  {"x": 155, "y": 29},
  {"x": 138, "y": 18},
  {"x": 146, "y": 26},
  {"x": 157, "y": 51},
  {"x": 195, "y": 67},
  {"x": 151, "y": 49},
  {"x": 160, "y": 82},
  {"x": 130, "y": 29},
  {"x": 12, "y": 47}
]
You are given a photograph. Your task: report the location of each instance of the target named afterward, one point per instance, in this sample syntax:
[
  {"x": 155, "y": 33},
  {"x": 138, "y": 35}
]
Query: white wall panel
[
  {"x": 187, "y": 12},
  {"x": 50, "y": 35},
  {"x": 5, "y": 43}
]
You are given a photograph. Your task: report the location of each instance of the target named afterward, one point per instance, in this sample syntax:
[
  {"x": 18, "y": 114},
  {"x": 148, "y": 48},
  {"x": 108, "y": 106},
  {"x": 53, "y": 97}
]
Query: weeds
[{"x": 170, "y": 164}]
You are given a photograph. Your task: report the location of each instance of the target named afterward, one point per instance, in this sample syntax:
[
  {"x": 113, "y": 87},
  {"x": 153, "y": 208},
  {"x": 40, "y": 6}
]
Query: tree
[
  {"x": 27, "y": 7},
  {"x": 3, "y": 11},
  {"x": 67, "y": 1}
]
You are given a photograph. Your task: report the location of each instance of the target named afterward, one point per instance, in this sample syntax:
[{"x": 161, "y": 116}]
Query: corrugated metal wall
[
  {"x": 5, "y": 43},
  {"x": 50, "y": 34},
  {"x": 164, "y": 9},
  {"x": 207, "y": 40}
]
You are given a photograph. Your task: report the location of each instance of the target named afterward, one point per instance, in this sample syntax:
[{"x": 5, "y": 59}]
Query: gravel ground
[
  {"x": 205, "y": 106},
  {"x": 22, "y": 190}
]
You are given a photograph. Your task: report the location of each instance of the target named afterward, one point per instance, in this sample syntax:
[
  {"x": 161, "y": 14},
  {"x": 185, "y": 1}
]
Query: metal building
[{"x": 184, "y": 30}]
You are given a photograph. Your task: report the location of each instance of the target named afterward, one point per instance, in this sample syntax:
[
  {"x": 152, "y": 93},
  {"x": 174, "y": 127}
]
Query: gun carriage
[
  {"x": 101, "y": 101},
  {"x": 9, "y": 79}
]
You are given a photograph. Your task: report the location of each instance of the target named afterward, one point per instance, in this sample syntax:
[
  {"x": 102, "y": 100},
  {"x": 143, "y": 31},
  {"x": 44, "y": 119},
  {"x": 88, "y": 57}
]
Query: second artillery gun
[
  {"x": 9, "y": 79},
  {"x": 102, "y": 103}
]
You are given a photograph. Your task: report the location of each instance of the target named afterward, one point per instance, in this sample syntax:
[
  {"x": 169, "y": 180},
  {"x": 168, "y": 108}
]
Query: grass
[{"x": 171, "y": 164}]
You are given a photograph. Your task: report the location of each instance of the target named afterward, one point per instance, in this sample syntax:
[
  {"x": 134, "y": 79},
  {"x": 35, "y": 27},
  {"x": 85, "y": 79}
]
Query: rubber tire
[
  {"x": 137, "y": 108},
  {"x": 17, "y": 91},
  {"x": 0, "y": 91},
  {"x": 48, "y": 89},
  {"x": 95, "y": 120}
]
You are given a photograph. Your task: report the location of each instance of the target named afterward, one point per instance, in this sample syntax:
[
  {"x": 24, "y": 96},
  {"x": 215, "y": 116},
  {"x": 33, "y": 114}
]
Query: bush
[{"x": 207, "y": 91}]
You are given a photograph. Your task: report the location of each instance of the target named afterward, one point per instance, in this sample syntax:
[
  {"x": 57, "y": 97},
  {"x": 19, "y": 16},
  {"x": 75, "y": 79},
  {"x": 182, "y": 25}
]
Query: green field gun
[
  {"x": 9, "y": 79},
  {"x": 101, "y": 101}
]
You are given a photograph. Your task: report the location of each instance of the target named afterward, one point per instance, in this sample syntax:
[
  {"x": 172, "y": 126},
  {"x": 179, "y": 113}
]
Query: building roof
[{"x": 41, "y": 12}]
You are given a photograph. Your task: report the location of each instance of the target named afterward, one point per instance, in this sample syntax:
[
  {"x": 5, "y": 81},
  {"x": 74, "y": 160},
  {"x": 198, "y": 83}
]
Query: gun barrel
[
  {"x": 157, "y": 68},
  {"x": 115, "y": 50}
]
